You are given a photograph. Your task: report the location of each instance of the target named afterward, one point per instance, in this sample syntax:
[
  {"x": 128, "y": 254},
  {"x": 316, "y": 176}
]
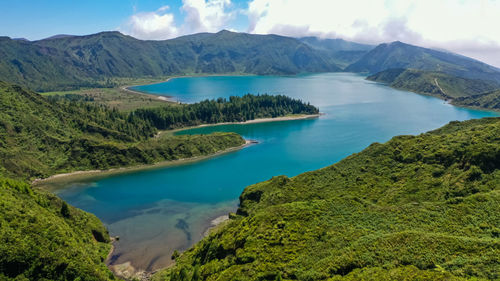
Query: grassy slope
[
  {"x": 39, "y": 241},
  {"x": 417, "y": 207},
  {"x": 116, "y": 97},
  {"x": 40, "y": 138},
  {"x": 460, "y": 91}
]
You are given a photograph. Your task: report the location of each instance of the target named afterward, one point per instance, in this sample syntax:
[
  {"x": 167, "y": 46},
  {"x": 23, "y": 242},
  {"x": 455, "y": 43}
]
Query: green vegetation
[
  {"x": 415, "y": 208},
  {"x": 42, "y": 238},
  {"x": 73, "y": 62},
  {"x": 41, "y": 137},
  {"x": 459, "y": 91},
  {"x": 490, "y": 100},
  {"x": 400, "y": 55},
  {"x": 236, "y": 109},
  {"x": 116, "y": 97}
]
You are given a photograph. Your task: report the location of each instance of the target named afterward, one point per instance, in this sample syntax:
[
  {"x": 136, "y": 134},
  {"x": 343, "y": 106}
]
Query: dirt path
[{"x": 441, "y": 89}]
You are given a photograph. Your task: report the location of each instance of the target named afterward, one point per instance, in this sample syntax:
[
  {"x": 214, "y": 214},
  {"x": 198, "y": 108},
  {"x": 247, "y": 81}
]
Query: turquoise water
[{"x": 157, "y": 211}]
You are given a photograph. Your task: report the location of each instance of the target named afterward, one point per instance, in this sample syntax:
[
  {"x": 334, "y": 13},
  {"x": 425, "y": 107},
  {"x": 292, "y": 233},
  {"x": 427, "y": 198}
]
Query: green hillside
[
  {"x": 40, "y": 137},
  {"x": 459, "y": 91},
  {"x": 400, "y": 55},
  {"x": 433, "y": 83},
  {"x": 45, "y": 239},
  {"x": 415, "y": 208},
  {"x": 489, "y": 100},
  {"x": 71, "y": 62}
]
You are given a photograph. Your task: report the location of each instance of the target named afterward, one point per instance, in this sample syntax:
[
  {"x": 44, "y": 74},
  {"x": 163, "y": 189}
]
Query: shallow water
[{"x": 157, "y": 211}]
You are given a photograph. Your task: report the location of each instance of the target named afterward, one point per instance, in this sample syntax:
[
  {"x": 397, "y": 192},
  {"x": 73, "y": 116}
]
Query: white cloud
[
  {"x": 199, "y": 16},
  {"x": 206, "y": 16},
  {"x": 431, "y": 23},
  {"x": 152, "y": 25}
]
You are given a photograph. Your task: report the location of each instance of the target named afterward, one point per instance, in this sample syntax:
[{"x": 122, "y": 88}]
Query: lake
[{"x": 157, "y": 211}]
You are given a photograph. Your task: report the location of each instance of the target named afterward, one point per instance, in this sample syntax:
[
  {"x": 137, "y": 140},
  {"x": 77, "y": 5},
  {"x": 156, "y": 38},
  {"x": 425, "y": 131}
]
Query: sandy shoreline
[
  {"x": 254, "y": 121},
  {"x": 164, "y": 98},
  {"x": 81, "y": 175}
]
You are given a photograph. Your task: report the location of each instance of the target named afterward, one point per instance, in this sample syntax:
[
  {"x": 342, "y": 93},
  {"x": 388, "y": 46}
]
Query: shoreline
[
  {"x": 62, "y": 178},
  {"x": 48, "y": 183},
  {"x": 254, "y": 121},
  {"x": 168, "y": 98},
  {"x": 448, "y": 101}
]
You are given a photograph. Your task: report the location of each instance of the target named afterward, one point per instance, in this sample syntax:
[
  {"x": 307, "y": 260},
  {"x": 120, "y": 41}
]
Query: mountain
[
  {"x": 59, "y": 36},
  {"x": 434, "y": 83},
  {"x": 335, "y": 45},
  {"x": 415, "y": 208},
  {"x": 339, "y": 51},
  {"x": 401, "y": 55},
  {"x": 68, "y": 62}
]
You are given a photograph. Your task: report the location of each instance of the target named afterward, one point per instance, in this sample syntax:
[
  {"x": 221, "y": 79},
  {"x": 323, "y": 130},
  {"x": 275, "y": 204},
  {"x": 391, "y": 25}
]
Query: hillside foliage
[
  {"x": 457, "y": 90},
  {"x": 43, "y": 238},
  {"x": 43, "y": 136},
  {"x": 415, "y": 208}
]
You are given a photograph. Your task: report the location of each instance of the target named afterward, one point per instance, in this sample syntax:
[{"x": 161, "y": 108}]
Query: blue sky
[
  {"x": 468, "y": 27},
  {"x": 38, "y": 19}
]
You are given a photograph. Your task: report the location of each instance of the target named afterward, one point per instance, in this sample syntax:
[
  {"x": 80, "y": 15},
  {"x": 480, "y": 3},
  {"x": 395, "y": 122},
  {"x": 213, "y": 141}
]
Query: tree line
[{"x": 234, "y": 109}]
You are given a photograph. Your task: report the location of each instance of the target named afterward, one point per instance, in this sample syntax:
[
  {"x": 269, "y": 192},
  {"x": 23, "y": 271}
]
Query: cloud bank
[{"x": 468, "y": 27}]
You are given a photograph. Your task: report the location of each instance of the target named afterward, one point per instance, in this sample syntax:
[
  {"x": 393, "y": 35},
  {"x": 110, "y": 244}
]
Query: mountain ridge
[
  {"x": 401, "y": 55},
  {"x": 94, "y": 60}
]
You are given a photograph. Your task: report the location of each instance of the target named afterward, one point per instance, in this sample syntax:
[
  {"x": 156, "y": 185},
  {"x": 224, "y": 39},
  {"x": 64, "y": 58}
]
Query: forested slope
[
  {"x": 42, "y": 238},
  {"x": 40, "y": 137},
  {"x": 415, "y": 208},
  {"x": 43, "y": 136}
]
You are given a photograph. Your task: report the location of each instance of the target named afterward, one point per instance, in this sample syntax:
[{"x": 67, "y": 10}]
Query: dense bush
[{"x": 40, "y": 241}]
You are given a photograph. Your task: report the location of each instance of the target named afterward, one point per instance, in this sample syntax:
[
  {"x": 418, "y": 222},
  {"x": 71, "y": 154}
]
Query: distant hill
[
  {"x": 64, "y": 62},
  {"x": 401, "y": 55},
  {"x": 415, "y": 208},
  {"x": 339, "y": 51},
  {"x": 434, "y": 83},
  {"x": 68, "y": 62}
]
